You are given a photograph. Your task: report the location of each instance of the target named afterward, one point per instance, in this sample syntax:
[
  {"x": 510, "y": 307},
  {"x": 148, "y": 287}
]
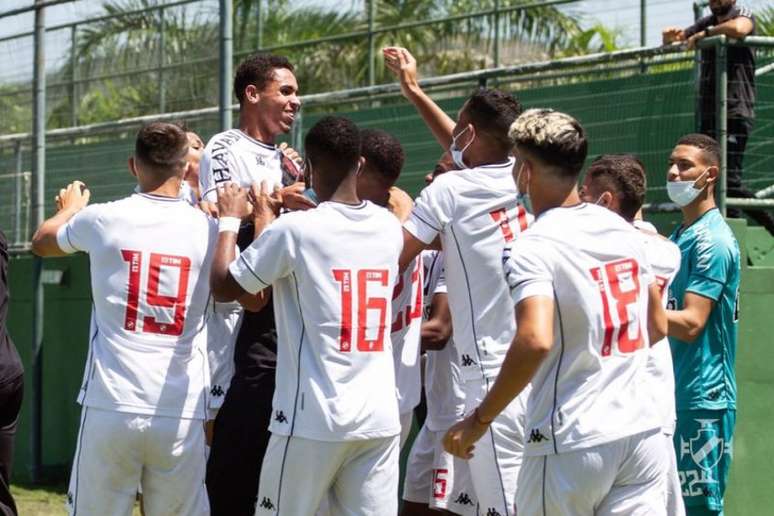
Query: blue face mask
[
  {"x": 522, "y": 197},
  {"x": 457, "y": 153},
  {"x": 683, "y": 193}
]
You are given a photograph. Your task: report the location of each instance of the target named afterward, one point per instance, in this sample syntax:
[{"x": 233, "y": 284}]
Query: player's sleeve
[
  {"x": 81, "y": 232},
  {"x": 267, "y": 259},
  {"x": 528, "y": 271},
  {"x": 432, "y": 211},
  {"x": 217, "y": 167},
  {"x": 700, "y": 25},
  {"x": 712, "y": 261}
]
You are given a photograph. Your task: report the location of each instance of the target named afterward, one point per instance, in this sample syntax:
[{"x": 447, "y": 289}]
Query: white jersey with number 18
[
  {"x": 150, "y": 264},
  {"x": 593, "y": 387},
  {"x": 333, "y": 270},
  {"x": 476, "y": 215}
]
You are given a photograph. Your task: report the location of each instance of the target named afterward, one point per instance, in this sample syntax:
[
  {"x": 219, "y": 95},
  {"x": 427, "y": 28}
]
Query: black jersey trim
[
  {"x": 470, "y": 300},
  {"x": 162, "y": 198},
  {"x": 558, "y": 368},
  {"x": 250, "y": 269},
  {"x": 282, "y": 472},
  {"x": 543, "y": 490},
  {"x": 267, "y": 146},
  {"x": 78, "y": 459},
  {"x": 501, "y": 164},
  {"x": 414, "y": 214}
]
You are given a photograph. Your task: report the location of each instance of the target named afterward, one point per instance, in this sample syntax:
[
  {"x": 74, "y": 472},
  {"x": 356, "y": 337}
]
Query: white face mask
[
  {"x": 683, "y": 193},
  {"x": 456, "y": 153}
]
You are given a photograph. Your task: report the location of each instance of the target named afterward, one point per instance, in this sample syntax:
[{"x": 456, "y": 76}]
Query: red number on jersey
[
  {"x": 364, "y": 305},
  {"x": 414, "y": 311},
  {"x": 153, "y": 297},
  {"x": 501, "y": 218},
  {"x": 439, "y": 483},
  {"x": 619, "y": 275}
]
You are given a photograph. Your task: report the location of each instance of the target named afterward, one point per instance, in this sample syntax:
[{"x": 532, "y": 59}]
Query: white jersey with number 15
[
  {"x": 333, "y": 270},
  {"x": 150, "y": 266}
]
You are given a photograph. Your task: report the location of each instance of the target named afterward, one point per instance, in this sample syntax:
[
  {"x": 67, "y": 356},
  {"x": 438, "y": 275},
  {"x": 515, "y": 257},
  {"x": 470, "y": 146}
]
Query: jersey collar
[{"x": 266, "y": 146}]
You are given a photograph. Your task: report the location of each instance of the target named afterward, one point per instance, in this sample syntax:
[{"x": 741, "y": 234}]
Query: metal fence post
[
  {"x": 371, "y": 42},
  {"x": 226, "y": 62},
  {"x": 721, "y": 116},
  {"x": 259, "y": 22},
  {"x": 162, "y": 52},
  {"x": 73, "y": 67},
  {"x": 39, "y": 168},
  {"x": 17, "y": 238},
  {"x": 496, "y": 45}
]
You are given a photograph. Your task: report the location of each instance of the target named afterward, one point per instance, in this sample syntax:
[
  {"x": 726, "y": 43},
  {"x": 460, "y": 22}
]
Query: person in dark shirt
[
  {"x": 735, "y": 22},
  {"x": 11, "y": 390}
]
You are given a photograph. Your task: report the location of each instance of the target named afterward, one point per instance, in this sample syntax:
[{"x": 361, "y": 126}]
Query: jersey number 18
[{"x": 623, "y": 278}]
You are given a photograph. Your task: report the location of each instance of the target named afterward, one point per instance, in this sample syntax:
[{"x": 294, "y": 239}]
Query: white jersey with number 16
[
  {"x": 593, "y": 387},
  {"x": 150, "y": 266},
  {"x": 333, "y": 270}
]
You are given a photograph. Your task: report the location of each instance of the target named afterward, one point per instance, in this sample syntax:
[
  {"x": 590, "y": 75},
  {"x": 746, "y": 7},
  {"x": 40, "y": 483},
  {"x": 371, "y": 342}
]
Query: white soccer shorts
[
  {"x": 359, "y": 478},
  {"x": 437, "y": 478},
  {"x": 117, "y": 451},
  {"x": 406, "y": 421},
  {"x": 674, "y": 494},
  {"x": 621, "y": 478},
  {"x": 496, "y": 461},
  {"x": 222, "y": 328}
]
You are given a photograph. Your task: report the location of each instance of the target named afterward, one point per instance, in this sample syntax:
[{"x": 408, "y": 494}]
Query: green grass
[{"x": 43, "y": 500}]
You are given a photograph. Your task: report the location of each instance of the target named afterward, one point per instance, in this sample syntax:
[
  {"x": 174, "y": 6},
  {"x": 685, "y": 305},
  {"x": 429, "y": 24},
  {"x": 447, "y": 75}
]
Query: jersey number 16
[{"x": 364, "y": 305}]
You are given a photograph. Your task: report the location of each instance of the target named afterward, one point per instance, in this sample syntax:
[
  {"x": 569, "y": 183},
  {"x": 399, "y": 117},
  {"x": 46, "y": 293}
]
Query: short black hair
[
  {"x": 624, "y": 174},
  {"x": 162, "y": 147},
  {"x": 492, "y": 111},
  {"x": 707, "y": 144},
  {"x": 383, "y": 153},
  {"x": 258, "y": 70},
  {"x": 555, "y": 138},
  {"x": 333, "y": 145}
]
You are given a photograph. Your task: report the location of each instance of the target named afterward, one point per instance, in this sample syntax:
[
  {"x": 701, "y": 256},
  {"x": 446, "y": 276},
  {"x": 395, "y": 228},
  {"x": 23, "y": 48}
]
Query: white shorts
[
  {"x": 117, "y": 451},
  {"x": 621, "y": 478},
  {"x": 674, "y": 495},
  {"x": 222, "y": 328},
  {"x": 496, "y": 461},
  {"x": 437, "y": 478},
  {"x": 406, "y": 421},
  {"x": 359, "y": 478}
]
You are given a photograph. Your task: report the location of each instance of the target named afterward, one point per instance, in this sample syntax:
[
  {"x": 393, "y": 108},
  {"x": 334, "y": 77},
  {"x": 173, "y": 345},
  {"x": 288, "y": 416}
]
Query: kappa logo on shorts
[
  {"x": 493, "y": 512},
  {"x": 464, "y": 499},
  {"x": 70, "y": 499},
  {"x": 535, "y": 436},
  {"x": 217, "y": 391},
  {"x": 266, "y": 504},
  {"x": 279, "y": 417},
  {"x": 467, "y": 361}
]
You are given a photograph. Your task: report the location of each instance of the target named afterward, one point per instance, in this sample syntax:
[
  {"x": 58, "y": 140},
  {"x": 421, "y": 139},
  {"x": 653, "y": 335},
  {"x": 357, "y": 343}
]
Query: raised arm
[
  {"x": 233, "y": 206},
  {"x": 71, "y": 199},
  {"x": 404, "y": 66}
]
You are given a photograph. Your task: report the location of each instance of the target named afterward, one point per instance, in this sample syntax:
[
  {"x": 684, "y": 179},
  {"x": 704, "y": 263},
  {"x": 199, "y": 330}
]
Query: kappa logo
[
  {"x": 260, "y": 160},
  {"x": 493, "y": 512},
  {"x": 467, "y": 361},
  {"x": 70, "y": 499},
  {"x": 266, "y": 504},
  {"x": 706, "y": 448},
  {"x": 536, "y": 437},
  {"x": 671, "y": 303},
  {"x": 279, "y": 417},
  {"x": 217, "y": 391},
  {"x": 464, "y": 499}
]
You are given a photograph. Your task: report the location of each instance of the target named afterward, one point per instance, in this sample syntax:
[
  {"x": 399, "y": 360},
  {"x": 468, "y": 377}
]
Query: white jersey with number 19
[
  {"x": 476, "y": 214},
  {"x": 333, "y": 270},
  {"x": 593, "y": 387},
  {"x": 150, "y": 266}
]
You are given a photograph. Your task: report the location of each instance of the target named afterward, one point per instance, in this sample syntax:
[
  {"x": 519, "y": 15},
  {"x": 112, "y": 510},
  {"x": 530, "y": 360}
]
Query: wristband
[
  {"x": 477, "y": 418},
  {"x": 229, "y": 224}
]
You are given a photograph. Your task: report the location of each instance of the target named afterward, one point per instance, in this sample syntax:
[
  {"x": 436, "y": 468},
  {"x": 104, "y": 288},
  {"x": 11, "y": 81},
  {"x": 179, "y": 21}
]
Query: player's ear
[
  {"x": 251, "y": 94},
  {"x": 360, "y": 165},
  {"x": 132, "y": 169},
  {"x": 712, "y": 175}
]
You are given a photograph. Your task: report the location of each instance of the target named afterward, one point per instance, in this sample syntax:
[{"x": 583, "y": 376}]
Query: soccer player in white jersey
[
  {"x": 144, "y": 393},
  {"x": 587, "y": 306},
  {"x": 475, "y": 213},
  {"x": 384, "y": 158},
  {"x": 267, "y": 91},
  {"x": 335, "y": 429},
  {"x": 617, "y": 182}
]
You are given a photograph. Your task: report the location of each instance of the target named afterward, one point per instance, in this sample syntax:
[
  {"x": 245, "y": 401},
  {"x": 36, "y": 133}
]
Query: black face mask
[{"x": 721, "y": 11}]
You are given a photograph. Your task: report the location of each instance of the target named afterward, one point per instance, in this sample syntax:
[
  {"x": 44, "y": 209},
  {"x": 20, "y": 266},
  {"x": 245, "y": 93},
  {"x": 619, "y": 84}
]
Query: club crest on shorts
[{"x": 706, "y": 448}]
